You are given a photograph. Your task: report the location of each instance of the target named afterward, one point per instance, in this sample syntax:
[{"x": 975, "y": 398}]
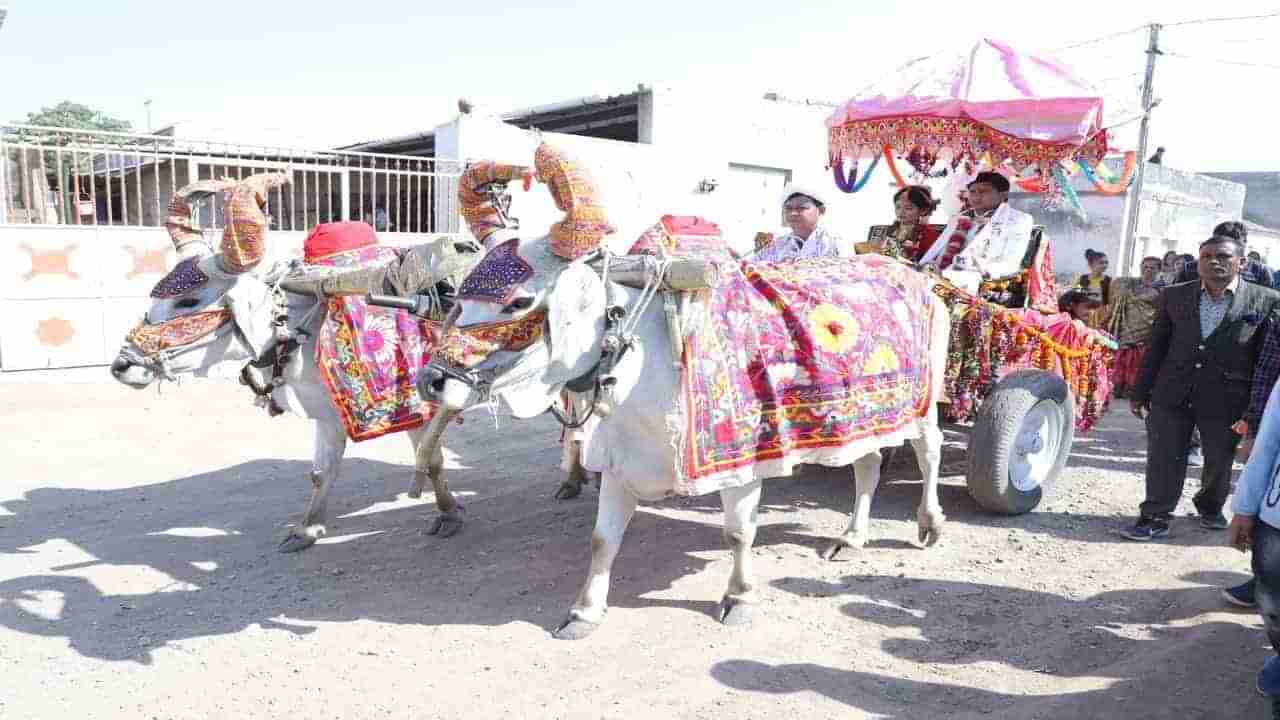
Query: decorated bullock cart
[{"x": 1024, "y": 375}]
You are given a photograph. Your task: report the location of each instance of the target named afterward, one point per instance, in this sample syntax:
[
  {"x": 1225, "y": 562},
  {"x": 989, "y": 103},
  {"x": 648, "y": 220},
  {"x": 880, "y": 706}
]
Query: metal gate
[{"x": 81, "y": 223}]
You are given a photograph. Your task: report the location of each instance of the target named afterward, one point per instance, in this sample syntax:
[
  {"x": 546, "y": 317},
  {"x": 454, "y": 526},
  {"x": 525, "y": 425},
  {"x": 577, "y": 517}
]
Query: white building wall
[
  {"x": 638, "y": 183},
  {"x": 732, "y": 129},
  {"x": 70, "y": 294},
  {"x": 1267, "y": 243},
  {"x": 748, "y": 147}
]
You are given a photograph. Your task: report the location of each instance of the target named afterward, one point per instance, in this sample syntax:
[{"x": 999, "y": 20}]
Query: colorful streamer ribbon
[
  {"x": 1068, "y": 192},
  {"x": 847, "y": 185},
  {"x": 893, "y": 167},
  {"x": 1117, "y": 187}
]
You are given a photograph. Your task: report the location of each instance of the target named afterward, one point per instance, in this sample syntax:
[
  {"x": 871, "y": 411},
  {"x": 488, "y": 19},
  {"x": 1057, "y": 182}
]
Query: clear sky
[{"x": 324, "y": 73}]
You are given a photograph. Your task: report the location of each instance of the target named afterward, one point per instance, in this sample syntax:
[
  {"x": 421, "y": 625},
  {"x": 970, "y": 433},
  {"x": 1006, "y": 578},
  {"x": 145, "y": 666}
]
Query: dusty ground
[{"x": 139, "y": 579}]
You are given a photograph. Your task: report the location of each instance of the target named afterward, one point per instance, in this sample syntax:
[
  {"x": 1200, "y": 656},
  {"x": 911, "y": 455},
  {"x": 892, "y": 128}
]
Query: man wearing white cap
[{"x": 802, "y": 209}]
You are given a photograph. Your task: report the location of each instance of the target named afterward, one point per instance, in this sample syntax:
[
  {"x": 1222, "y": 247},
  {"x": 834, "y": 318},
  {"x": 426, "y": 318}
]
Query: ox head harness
[
  {"x": 157, "y": 343},
  {"x": 619, "y": 337}
]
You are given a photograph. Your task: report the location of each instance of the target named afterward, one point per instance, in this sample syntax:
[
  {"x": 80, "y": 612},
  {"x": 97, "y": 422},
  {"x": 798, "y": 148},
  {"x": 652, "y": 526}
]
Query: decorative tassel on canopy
[
  {"x": 848, "y": 185},
  {"x": 1068, "y": 192},
  {"x": 1117, "y": 187},
  {"x": 893, "y": 167}
]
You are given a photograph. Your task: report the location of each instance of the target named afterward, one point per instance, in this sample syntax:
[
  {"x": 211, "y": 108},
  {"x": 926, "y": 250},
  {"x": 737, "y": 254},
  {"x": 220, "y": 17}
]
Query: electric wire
[
  {"x": 1220, "y": 61},
  {"x": 1203, "y": 21}
]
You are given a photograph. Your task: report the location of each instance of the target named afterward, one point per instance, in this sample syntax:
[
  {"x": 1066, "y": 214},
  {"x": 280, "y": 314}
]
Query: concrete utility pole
[{"x": 1135, "y": 197}]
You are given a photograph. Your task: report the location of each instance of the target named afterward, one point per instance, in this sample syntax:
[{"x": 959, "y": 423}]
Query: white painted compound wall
[{"x": 748, "y": 147}]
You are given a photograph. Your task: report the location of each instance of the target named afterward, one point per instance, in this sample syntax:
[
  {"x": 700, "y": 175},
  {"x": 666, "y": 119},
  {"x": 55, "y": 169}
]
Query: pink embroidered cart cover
[{"x": 1024, "y": 108}]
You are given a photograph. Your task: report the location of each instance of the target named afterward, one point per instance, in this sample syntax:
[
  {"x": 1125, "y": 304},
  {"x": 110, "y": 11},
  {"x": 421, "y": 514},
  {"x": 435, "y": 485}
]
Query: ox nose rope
[{"x": 619, "y": 337}]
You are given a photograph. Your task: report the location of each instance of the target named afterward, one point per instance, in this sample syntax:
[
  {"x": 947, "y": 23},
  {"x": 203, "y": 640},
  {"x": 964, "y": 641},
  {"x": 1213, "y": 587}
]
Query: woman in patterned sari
[
  {"x": 1132, "y": 314},
  {"x": 911, "y": 234}
]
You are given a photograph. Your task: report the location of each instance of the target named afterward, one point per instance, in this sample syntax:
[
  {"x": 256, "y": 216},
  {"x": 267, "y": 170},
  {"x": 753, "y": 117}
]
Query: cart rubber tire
[{"x": 1020, "y": 441}]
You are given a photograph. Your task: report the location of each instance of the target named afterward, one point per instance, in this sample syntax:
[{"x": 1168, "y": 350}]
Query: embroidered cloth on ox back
[
  {"x": 369, "y": 356},
  {"x": 815, "y": 361}
]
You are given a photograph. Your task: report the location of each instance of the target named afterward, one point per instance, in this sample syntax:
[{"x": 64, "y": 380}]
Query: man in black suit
[{"x": 1197, "y": 373}]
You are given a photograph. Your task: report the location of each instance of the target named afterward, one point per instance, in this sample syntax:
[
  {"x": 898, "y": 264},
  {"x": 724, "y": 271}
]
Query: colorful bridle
[
  {"x": 152, "y": 340},
  {"x": 464, "y": 348}
]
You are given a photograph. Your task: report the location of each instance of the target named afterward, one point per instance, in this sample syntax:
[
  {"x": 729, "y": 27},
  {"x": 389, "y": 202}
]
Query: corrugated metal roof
[{"x": 581, "y": 103}]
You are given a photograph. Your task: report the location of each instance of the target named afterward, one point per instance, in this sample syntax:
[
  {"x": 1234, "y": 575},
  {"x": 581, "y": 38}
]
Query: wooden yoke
[{"x": 682, "y": 275}]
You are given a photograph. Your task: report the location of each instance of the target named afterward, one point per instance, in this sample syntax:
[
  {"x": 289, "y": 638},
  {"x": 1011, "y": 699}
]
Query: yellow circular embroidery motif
[
  {"x": 881, "y": 360},
  {"x": 833, "y": 329}
]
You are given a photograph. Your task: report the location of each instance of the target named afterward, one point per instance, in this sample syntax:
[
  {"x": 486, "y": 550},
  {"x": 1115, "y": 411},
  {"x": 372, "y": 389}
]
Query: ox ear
[
  {"x": 576, "y": 319},
  {"x": 251, "y": 304}
]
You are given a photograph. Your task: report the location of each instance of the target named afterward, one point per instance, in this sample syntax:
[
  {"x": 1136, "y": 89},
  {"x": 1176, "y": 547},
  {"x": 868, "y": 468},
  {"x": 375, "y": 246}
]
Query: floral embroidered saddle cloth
[
  {"x": 815, "y": 361},
  {"x": 370, "y": 356}
]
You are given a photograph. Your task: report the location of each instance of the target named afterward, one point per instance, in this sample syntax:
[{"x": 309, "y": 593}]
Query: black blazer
[{"x": 1214, "y": 374}]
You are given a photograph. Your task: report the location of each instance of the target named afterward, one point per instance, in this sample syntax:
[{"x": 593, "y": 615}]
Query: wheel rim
[{"x": 1036, "y": 446}]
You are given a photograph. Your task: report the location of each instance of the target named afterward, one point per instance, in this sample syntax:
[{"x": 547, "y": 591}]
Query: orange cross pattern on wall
[
  {"x": 49, "y": 262},
  {"x": 55, "y": 331},
  {"x": 147, "y": 262}
]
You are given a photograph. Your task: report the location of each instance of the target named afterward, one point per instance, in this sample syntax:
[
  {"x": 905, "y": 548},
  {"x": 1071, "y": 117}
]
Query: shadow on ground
[
  {"x": 1136, "y": 641},
  {"x": 200, "y": 559}
]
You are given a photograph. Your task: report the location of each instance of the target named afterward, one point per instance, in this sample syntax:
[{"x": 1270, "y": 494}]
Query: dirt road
[{"x": 139, "y": 579}]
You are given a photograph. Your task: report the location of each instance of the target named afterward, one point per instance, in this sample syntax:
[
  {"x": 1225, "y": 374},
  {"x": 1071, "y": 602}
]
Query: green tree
[
  {"x": 73, "y": 115},
  {"x": 59, "y": 169}
]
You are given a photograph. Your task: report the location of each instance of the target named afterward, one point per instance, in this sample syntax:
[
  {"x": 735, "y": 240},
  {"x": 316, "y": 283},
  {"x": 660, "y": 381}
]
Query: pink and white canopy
[{"x": 1021, "y": 107}]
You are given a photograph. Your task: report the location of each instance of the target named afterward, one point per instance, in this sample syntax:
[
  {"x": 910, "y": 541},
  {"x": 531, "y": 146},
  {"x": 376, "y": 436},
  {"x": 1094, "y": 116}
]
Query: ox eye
[
  {"x": 187, "y": 303},
  {"x": 518, "y": 304}
]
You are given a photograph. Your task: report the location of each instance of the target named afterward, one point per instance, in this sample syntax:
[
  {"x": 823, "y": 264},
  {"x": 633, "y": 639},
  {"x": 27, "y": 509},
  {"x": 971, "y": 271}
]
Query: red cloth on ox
[
  {"x": 681, "y": 235},
  {"x": 369, "y": 357},
  {"x": 815, "y": 361},
  {"x": 327, "y": 239}
]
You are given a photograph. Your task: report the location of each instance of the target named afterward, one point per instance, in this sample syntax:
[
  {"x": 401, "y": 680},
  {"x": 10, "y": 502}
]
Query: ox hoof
[
  {"x": 569, "y": 490},
  {"x": 837, "y": 548},
  {"x": 929, "y": 536},
  {"x": 734, "y": 612},
  {"x": 446, "y": 524},
  {"x": 574, "y": 628},
  {"x": 295, "y": 543}
]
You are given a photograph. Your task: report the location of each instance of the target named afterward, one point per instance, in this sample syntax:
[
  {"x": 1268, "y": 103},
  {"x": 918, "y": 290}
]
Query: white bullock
[
  {"x": 240, "y": 282},
  {"x": 633, "y": 445}
]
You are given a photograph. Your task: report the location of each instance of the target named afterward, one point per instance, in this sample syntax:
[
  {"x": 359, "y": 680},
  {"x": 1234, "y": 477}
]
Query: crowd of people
[{"x": 1198, "y": 360}]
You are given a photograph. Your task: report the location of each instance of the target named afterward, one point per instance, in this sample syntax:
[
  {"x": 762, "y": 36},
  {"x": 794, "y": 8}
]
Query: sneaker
[
  {"x": 1147, "y": 529},
  {"x": 1214, "y": 521},
  {"x": 1195, "y": 458},
  {"x": 1269, "y": 678},
  {"x": 1240, "y": 595}
]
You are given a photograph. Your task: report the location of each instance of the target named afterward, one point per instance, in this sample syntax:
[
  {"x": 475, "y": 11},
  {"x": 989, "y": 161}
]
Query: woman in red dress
[{"x": 911, "y": 234}]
